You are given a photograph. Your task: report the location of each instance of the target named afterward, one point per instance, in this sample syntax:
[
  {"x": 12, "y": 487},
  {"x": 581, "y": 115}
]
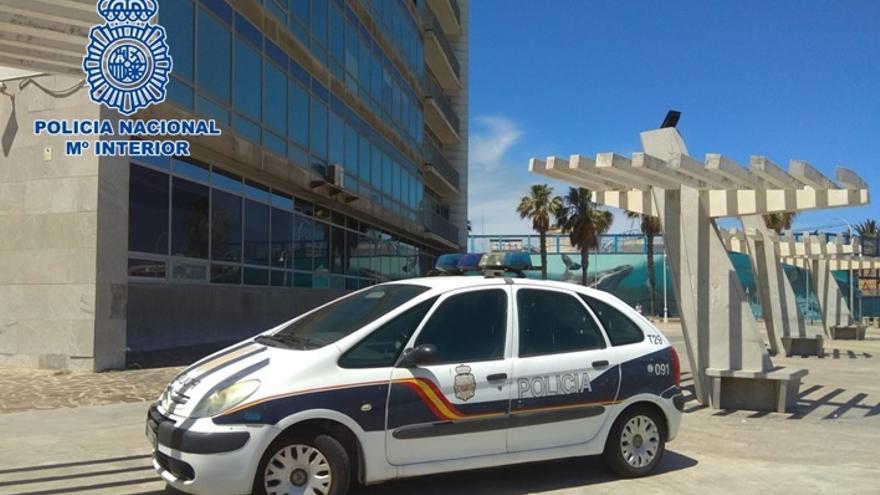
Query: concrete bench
[
  {"x": 812, "y": 345},
  {"x": 848, "y": 332},
  {"x": 773, "y": 390}
]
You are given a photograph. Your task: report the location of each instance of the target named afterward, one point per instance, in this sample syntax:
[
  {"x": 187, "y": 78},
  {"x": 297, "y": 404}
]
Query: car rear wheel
[
  {"x": 636, "y": 443},
  {"x": 300, "y": 465}
]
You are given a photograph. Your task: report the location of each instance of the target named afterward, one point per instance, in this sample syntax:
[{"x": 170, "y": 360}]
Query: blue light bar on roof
[
  {"x": 470, "y": 262},
  {"x": 447, "y": 262},
  {"x": 509, "y": 261}
]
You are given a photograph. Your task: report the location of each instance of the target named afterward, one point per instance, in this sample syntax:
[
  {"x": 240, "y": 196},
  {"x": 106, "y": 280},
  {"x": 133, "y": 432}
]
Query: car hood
[{"x": 247, "y": 360}]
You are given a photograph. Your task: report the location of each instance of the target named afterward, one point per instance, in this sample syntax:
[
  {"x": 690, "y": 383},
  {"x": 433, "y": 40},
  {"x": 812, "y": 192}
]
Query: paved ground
[
  {"x": 25, "y": 390},
  {"x": 827, "y": 446}
]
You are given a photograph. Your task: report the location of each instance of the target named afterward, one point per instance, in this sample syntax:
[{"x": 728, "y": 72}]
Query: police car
[{"x": 417, "y": 377}]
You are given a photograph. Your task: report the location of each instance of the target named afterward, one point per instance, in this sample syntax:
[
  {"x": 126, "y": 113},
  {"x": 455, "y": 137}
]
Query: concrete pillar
[
  {"x": 719, "y": 329},
  {"x": 831, "y": 302},
  {"x": 64, "y": 238},
  {"x": 781, "y": 313}
]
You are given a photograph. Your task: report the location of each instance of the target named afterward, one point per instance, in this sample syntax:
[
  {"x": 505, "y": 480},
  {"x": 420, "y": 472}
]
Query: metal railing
[
  {"x": 432, "y": 25},
  {"x": 434, "y": 157},
  {"x": 436, "y": 224},
  {"x": 435, "y": 92}
]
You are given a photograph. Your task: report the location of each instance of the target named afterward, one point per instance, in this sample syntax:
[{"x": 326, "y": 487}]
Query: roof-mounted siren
[
  {"x": 447, "y": 264},
  {"x": 470, "y": 262},
  {"x": 456, "y": 264},
  {"x": 497, "y": 264}
]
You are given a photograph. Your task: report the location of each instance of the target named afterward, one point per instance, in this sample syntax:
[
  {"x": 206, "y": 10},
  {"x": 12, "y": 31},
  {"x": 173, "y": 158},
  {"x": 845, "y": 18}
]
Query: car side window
[
  {"x": 553, "y": 323},
  {"x": 468, "y": 327},
  {"x": 381, "y": 348},
  {"x": 620, "y": 328}
]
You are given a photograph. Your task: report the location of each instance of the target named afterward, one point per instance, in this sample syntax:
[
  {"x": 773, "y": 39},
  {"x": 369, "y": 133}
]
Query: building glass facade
[
  {"x": 227, "y": 70},
  {"x": 190, "y": 222}
]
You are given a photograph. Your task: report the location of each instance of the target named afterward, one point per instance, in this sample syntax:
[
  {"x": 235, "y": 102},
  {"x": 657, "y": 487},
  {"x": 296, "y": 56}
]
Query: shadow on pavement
[{"x": 518, "y": 479}]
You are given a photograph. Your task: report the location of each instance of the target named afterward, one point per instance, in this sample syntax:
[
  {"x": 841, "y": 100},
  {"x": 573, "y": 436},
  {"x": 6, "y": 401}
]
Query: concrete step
[{"x": 127, "y": 475}]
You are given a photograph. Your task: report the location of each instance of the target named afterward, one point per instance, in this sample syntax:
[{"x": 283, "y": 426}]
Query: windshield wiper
[
  {"x": 273, "y": 341},
  {"x": 287, "y": 341}
]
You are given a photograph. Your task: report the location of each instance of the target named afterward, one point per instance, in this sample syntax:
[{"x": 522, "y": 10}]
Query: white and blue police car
[{"x": 422, "y": 376}]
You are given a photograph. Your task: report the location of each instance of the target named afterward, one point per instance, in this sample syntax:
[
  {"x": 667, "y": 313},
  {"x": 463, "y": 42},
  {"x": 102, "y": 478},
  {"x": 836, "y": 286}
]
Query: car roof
[{"x": 452, "y": 282}]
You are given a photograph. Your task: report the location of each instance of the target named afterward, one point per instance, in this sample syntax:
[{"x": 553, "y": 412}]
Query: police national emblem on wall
[{"x": 127, "y": 61}]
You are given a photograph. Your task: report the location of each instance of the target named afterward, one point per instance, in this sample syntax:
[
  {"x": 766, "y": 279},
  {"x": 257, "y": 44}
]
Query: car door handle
[
  {"x": 600, "y": 364},
  {"x": 497, "y": 377}
]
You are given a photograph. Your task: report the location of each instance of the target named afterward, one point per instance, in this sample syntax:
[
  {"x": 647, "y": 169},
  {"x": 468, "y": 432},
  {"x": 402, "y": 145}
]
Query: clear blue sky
[{"x": 786, "y": 79}]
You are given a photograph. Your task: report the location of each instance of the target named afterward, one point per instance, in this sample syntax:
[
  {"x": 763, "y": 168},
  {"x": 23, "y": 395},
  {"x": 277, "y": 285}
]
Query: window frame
[
  {"x": 574, "y": 294},
  {"x": 508, "y": 340}
]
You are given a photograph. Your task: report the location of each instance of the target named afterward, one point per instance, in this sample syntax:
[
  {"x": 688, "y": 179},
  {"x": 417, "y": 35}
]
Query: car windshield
[{"x": 342, "y": 317}]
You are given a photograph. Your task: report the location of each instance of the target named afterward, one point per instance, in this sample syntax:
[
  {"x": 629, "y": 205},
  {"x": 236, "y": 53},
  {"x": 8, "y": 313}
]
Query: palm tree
[
  {"x": 583, "y": 222},
  {"x": 779, "y": 222},
  {"x": 538, "y": 205},
  {"x": 868, "y": 228},
  {"x": 651, "y": 228}
]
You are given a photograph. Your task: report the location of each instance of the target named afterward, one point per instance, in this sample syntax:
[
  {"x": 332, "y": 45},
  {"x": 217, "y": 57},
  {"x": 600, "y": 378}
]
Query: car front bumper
[{"x": 198, "y": 457}]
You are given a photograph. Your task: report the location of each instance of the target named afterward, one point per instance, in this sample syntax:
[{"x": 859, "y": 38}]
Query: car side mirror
[{"x": 422, "y": 355}]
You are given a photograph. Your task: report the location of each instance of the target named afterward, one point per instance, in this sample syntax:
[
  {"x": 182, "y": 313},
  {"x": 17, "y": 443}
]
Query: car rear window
[{"x": 620, "y": 328}]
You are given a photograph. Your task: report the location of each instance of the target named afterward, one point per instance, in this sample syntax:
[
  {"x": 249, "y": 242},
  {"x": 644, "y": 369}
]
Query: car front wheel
[
  {"x": 299, "y": 465},
  {"x": 636, "y": 443}
]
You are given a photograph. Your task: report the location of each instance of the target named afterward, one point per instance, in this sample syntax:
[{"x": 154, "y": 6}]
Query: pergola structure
[
  {"x": 730, "y": 363},
  {"x": 783, "y": 319}
]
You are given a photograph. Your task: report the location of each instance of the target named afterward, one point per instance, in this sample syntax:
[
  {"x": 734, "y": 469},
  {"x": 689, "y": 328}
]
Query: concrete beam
[
  {"x": 810, "y": 175},
  {"x": 772, "y": 174}
]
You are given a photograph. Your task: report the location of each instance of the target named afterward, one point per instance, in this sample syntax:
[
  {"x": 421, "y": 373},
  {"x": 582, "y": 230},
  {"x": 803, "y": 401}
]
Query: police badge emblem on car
[{"x": 465, "y": 384}]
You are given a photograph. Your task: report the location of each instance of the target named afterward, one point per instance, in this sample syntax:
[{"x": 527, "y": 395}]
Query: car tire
[
  {"x": 636, "y": 442},
  {"x": 313, "y": 465}
]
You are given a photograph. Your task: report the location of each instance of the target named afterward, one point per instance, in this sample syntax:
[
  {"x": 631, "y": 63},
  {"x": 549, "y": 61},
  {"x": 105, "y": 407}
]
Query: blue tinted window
[
  {"x": 319, "y": 20},
  {"x": 337, "y": 139},
  {"x": 180, "y": 93},
  {"x": 247, "y": 79},
  {"x": 364, "y": 165},
  {"x": 248, "y": 31},
  {"x": 276, "y": 11},
  {"x": 214, "y": 47},
  {"x": 322, "y": 246},
  {"x": 395, "y": 182},
  {"x": 387, "y": 167},
  {"x": 256, "y": 233},
  {"x": 318, "y": 138},
  {"x": 274, "y": 98},
  {"x": 351, "y": 48},
  {"x": 225, "y": 226},
  {"x": 337, "y": 34},
  {"x": 300, "y": 9},
  {"x": 304, "y": 233},
  {"x": 246, "y": 127},
  {"x": 378, "y": 163},
  {"x": 298, "y": 114},
  {"x": 274, "y": 143},
  {"x": 351, "y": 150},
  {"x": 177, "y": 18}
]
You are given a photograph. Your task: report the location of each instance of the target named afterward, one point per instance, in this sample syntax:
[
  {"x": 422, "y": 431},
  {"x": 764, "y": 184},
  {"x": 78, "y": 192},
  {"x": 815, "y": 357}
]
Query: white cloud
[
  {"x": 499, "y": 177},
  {"x": 496, "y": 180}
]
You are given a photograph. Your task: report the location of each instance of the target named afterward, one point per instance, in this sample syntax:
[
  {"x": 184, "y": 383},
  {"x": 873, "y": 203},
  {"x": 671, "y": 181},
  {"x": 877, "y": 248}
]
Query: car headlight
[{"x": 224, "y": 399}]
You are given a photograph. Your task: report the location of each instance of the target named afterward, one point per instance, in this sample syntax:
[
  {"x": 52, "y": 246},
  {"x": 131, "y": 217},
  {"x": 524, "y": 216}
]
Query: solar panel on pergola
[{"x": 688, "y": 195}]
